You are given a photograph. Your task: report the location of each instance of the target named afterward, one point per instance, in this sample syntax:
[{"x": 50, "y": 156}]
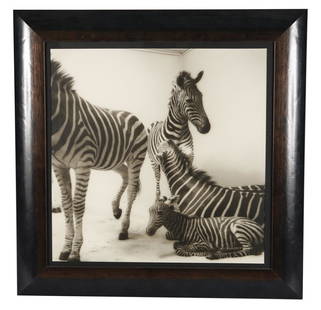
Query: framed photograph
[{"x": 160, "y": 153}]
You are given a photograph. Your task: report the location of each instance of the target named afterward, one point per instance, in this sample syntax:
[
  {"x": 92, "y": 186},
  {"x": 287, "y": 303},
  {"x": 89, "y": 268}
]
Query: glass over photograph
[{"x": 158, "y": 155}]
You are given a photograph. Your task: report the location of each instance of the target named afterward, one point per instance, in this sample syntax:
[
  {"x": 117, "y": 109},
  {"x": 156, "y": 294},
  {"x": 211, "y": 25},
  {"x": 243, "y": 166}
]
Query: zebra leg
[
  {"x": 181, "y": 248},
  {"x": 228, "y": 250},
  {"x": 123, "y": 171},
  {"x": 55, "y": 209},
  {"x": 246, "y": 248},
  {"x": 238, "y": 253},
  {"x": 179, "y": 244},
  {"x": 224, "y": 253},
  {"x": 82, "y": 179},
  {"x": 157, "y": 173},
  {"x": 63, "y": 178},
  {"x": 199, "y": 248},
  {"x": 134, "y": 167}
]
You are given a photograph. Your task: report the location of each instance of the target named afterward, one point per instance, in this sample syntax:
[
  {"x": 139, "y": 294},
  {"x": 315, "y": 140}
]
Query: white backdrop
[
  {"x": 234, "y": 95},
  {"x": 312, "y": 252}
]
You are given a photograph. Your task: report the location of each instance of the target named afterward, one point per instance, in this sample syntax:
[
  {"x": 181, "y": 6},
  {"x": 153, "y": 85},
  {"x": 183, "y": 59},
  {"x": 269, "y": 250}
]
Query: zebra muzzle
[
  {"x": 150, "y": 231},
  {"x": 205, "y": 128}
]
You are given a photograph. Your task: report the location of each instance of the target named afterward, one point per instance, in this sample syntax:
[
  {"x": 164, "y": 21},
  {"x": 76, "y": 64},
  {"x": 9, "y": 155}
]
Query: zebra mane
[
  {"x": 185, "y": 75},
  {"x": 60, "y": 76},
  {"x": 201, "y": 175},
  {"x": 183, "y": 78}
]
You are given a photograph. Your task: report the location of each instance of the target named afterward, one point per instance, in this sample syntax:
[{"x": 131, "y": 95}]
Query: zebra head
[
  {"x": 187, "y": 102},
  {"x": 158, "y": 212}
]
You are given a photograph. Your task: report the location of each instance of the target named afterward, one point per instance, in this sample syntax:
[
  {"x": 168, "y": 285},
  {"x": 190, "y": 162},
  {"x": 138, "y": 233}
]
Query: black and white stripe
[
  {"x": 214, "y": 237},
  {"x": 200, "y": 196},
  {"x": 85, "y": 137},
  {"x": 185, "y": 105},
  {"x": 249, "y": 188}
]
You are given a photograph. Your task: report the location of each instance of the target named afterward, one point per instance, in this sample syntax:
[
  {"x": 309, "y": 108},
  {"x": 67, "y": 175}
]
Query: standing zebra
[
  {"x": 200, "y": 196},
  {"x": 85, "y": 137},
  {"x": 214, "y": 237},
  {"x": 185, "y": 105}
]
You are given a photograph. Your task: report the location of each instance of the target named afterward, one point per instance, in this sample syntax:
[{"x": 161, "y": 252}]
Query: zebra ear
[
  {"x": 160, "y": 156},
  {"x": 180, "y": 81},
  {"x": 173, "y": 199},
  {"x": 199, "y": 76}
]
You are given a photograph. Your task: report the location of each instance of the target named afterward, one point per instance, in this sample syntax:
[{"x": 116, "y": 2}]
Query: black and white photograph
[
  {"x": 159, "y": 155},
  {"x": 156, "y": 151}
]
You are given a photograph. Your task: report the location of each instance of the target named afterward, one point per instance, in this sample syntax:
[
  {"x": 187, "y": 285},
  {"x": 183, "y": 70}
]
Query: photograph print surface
[{"x": 158, "y": 155}]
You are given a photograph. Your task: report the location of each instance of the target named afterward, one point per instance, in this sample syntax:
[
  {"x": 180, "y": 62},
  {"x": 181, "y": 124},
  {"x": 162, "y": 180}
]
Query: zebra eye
[{"x": 189, "y": 100}]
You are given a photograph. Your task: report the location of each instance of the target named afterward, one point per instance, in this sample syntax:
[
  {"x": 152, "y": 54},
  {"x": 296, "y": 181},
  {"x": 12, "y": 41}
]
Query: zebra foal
[
  {"x": 185, "y": 104},
  {"x": 214, "y": 237},
  {"x": 85, "y": 137}
]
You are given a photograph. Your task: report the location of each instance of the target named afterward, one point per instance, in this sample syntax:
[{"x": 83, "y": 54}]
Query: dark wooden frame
[{"x": 285, "y": 29}]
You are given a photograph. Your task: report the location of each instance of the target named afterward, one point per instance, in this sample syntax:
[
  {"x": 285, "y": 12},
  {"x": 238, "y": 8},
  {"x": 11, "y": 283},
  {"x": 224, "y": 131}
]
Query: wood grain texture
[
  {"x": 286, "y": 29},
  {"x": 288, "y": 154}
]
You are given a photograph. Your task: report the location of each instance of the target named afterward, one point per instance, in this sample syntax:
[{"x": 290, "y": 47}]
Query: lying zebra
[
  {"x": 214, "y": 237},
  {"x": 200, "y": 196}
]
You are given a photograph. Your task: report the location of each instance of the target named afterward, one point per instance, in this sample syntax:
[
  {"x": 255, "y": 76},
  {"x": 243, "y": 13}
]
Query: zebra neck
[
  {"x": 181, "y": 178},
  {"x": 174, "y": 222},
  {"x": 175, "y": 126},
  {"x": 175, "y": 170},
  {"x": 62, "y": 99}
]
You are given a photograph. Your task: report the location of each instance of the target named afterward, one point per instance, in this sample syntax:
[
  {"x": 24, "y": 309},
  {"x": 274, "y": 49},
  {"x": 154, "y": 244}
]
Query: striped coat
[
  {"x": 186, "y": 105},
  {"x": 215, "y": 237},
  {"x": 200, "y": 196}
]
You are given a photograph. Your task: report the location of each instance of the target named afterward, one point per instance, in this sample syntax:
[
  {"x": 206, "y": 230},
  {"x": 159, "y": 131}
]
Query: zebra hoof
[
  {"x": 123, "y": 236},
  {"x": 216, "y": 255},
  {"x": 64, "y": 255},
  {"x": 117, "y": 213},
  {"x": 74, "y": 258},
  {"x": 56, "y": 210}
]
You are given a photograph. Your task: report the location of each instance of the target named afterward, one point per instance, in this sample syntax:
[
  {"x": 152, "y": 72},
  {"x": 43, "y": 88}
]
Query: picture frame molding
[{"x": 286, "y": 29}]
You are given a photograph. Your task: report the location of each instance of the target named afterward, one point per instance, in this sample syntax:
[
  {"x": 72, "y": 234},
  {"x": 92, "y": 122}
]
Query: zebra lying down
[
  {"x": 214, "y": 237},
  {"x": 200, "y": 196}
]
